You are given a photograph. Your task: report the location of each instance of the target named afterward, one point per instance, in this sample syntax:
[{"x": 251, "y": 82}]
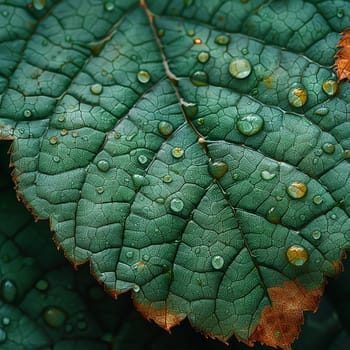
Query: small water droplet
[
  {"x": 330, "y": 87},
  {"x": 143, "y": 76},
  {"x": 177, "y": 152},
  {"x": 27, "y": 113},
  {"x": 8, "y": 291},
  {"x": 197, "y": 250},
  {"x": 129, "y": 254},
  {"x": 103, "y": 165},
  {"x": 136, "y": 288},
  {"x": 3, "y": 336},
  {"x": 5, "y": 13},
  {"x": 346, "y": 153},
  {"x": 61, "y": 118},
  {"x": 74, "y": 134},
  {"x": 222, "y": 39},
  {"x": 317, "y": 200},
  {"x": 245, "y": 51},
  {"x": 250, "y": 124},
  {"x": 142, "y": 159},
  {"x": 42, "y": 285},
  {"x": 196, "y": 41},
  {"x": 340, "y": 13},
  {"x": 199, "y": 78},
  {"x": 333, "y": 216},
  {"x": 318, "y": 260},
  {"x": 200, "y": 121},
  {"x": 54, "y": 317},
  {"x": 145, "y": 257},
  {"x": 165, "y": 128},
  {"x": 203, "y": 57},
  {"x": 266, "y": 175},
  {"x": 56, "y": 159},
  {"x": 160, "y": 200},
  {"x": 240, "y": 68},
  {"x": 53, "y": 140},
  {"x": 96, "y": 89},
  {"x": 297, "y": 97},
  {"x": 167, "y": 178},
  {"x": 191, "y": 109},
  {"x": 217, "y": 169},
  {"x": 297, "y": 255},
  {"x": 100, "y": 189},
  {"x": 278, "y": 198},
  {"x": 273, "y": 216},
  {"x": 297, "y": 190},
  {"x": 322, "y": 111},
  {"x": 217, "y": 262},
  {"x": 161, "y": 32},
  {"x": 109, "y": 6},
  {"x": 316, "y": 234},
  {"x": 139, "y": 180},
  {"x": 176, "y": 205},
  {"x": 39, "y": 4},
  {"x": 6, "y": 321}
]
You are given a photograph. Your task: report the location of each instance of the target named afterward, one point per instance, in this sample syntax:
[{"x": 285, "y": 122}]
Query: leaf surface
[{"x": 194, "y": 153}]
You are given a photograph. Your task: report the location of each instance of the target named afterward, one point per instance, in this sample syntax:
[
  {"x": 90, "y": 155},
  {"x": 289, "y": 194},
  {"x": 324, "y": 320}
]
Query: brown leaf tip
[{"x": 342, "y": 57}]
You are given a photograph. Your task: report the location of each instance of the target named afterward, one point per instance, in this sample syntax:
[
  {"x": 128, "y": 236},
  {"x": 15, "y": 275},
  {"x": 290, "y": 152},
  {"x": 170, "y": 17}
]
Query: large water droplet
[
  {"x": 217, "y": 169},
  {"x": 177, "y": 152},
  {"x": 203, "y": 57},
  {"x": 8, "y": 291},
  {"x": 96, "y": 89},
  {"x": 297, "y": 190},
  {"x": 39, "y": 4},
  {"x": 42, "y": 285},
  {"x": 143, "y": 76},
  {"x": 165, "y": 128},
  {"x": 316, "y": 234},
  {"x": 273, "y": 215},
  {"x": 297, "y": 97},
  {"x": 3, "y": 336},
  {"x": 240, "y": 68},
  {"x": 103, "y": 165},
  {"x": 199, "y": 78},
  {"x": 222, "y": 39},
  {"x": 266, "y": 175},
  {"x": 217, "y": 262},
  {"x": 330, "y": 87},
  {"x": 191, "y": 109},
  {"x": 176, "y": 205},
  {"x": 54, "y": 317},
  {"x": 250, "y": 124},
  {"x": 27, "y": 113},
  {"x": 328, "y": 148},
  {"x": 297, "y": 255}
]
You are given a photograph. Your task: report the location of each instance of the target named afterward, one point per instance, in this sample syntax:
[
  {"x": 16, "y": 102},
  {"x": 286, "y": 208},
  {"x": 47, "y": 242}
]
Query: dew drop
[
  {"x": 3, "y": 336},
  {"x": 273, "y": 216},
  {"x": 177, "y": 152},
  {"x": 316, "y": 234},
  {"x": 297, "y": 190},
  {"x": 6, "y": 321},
  {"x": 39, "y": 4},
  {"x": 167, "y": 178},
  {"x": 5, "y": 13},
  {"x": 250, "y": 124},
  {"x": 222, "y": 39},
  {"x": 8, "y": 291},
  {"x": 217, "y": 169},
  {"x": 203, "y": 57},
  {"x": 56, "y": 159},
  {"x": 54, "y": 317},
  {"x": 100, "y": 189},
  {"x": 317, "y": 200},
  {"x": 142, "y": 159},
  {"x": 199, "y": 78},
  {"x": 217, "y": 262},
  {"x": 191, "y": 109},
  {"x": 145, "y": 257},
  {"x": 42, "y": 285},
  {"x": 322, "y": 111},
  {"x": 109, "y": 6},
  {"x": 96, "y": 89},
  {"x": 330, "y": 87},
  {"x": 160, "y": 200},
  {"x": 196, "y": 41},
  {"x": 200, "y": 121},
  {"x": 161, "y": 32},
  {"x": 129, "y": 254},
  {"x": 74, "y": 134},
  {"x": 197, "y": 250},
  {"x": 53, "y": 140},
  {"x": 143, "y": 76},
  {"x": 333, "y": 216},
  {"x": 165, "y": 128},
  {"x": 328, "y": 148},
  {"x": 136, "y": 288},
  {"x": 340, "y": 13},
  {"x": 176, "y": 205},
  {"x": 297, "y": 255},
  {"x": 103, "y": 165},
  {"x": 240, "y": 68},
  {"x": 61, "y": 118},
  {"x": 346, "y": 153},
  {"x": 245, "y": 51},
  {"x": 139, "y": 180},
  {"x": 27, "y": 113},
  {"x": 266, "y": 175},
  {"x": 64, "y": 132},
  {"x": 297, "y": 97}
]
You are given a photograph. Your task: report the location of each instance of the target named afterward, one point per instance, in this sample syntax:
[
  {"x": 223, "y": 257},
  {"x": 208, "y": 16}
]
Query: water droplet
[
  {"x": 103, "y": 165},
  {"x": 346, "y": 153},
  {"x": 217, "y": 169},
  {"x": 330, "y": 87},
  {"x": 165, "y": 128},
  {"x": 217, "y": 262},
  {"x": 177, "y": 152},
  {"x": 199, "y": 78},
  {"x": 191, "y": 109},
  {"x": 61, "y": 118},
  {"x": 197, "y": 250},
  {"x": 203, "y": 57},
  {"x": 27, "y": 113},
  {"x": 96, "y": 89},
  {"x": 266, "y": 175},
  {"x": 245, "y": 51},
  {"x": 340, "y": 13},
  {"x": 99, "y": 189},
  {"x": 56, "y": 159},
  {"x": 273, "y": 216},
  {"x": 297, "y": 97},
  {"x": 297, "y": 190},
  {"x": 316, "y": 234},
  {"x": 200, "y": 121},
  {"x": 142, "y": 159},
  {"x": 333, "y": 216},
  {"x": 42, "y": 285},
  {"x": 139, "y": 180},
  {"x": 322, "y": 111},
  {"x": 222, "y": 39},
  {"x": 53, "y": 140},
  {"x": 161, "y": 32},
  {"x": 297, "y": 255},
  {"x": 167, "y": 178},
  {"x": 145, "y": 257},
  {"x": 136, "y": 288},
  {"x": 250, "y": 124},
  {"x": 3, "y": 336},
  {"x": 109, "y": 6},
  {"x": 74, "y": 134},
  {"x": 8, "y": 291},
  {"x": 54, "y": 317},
  {"x": 143, "y": 76},
  {"x": 129, "y": 254},
  {"x": 317, "y": 200},
  {"x": 39, "y": 4},
  {"x": 68, "y": 38},
  {"x": 160, "y": 200},
  {"x": 176, "y": 205},
  {"x": 5, "y": 13},
  {"x": 196, "y": 41},
  {"x": 240, "y": 68},
  {"x": 6, "y": 321}
]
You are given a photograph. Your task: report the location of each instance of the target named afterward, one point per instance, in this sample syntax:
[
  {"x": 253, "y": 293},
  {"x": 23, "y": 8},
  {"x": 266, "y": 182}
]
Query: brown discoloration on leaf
[
  {"x": 342, "y": 58},
  {"x": 280, "y": 323}
]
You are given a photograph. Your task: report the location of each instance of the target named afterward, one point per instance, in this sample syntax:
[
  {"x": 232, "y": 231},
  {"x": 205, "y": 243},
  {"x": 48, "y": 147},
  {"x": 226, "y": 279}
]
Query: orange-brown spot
[
  {"x": 268, "y": 82},
  {"x": 140, "y": 263},
  {"x": 342, "y": 57},
  {"x": 280, "y": 323}
]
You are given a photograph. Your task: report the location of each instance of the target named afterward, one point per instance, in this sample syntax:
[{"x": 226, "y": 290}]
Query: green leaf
[{"x": 193, "y": 152}]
